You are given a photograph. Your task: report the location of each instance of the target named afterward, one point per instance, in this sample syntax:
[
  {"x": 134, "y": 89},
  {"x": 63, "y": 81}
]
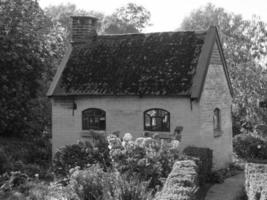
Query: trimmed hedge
[
  {"x": 182, "y": 182},
  {"x": 249, "y": 147},
  {"x": 205, "y": 160}
]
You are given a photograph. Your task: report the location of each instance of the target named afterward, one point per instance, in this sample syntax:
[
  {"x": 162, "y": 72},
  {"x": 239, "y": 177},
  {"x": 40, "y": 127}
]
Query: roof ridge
[{"x": 151, "y": 33}]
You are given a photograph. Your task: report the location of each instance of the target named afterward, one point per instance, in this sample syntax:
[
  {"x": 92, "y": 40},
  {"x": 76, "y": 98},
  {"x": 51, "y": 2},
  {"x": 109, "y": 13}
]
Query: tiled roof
[{"x": 133, "y": 64}]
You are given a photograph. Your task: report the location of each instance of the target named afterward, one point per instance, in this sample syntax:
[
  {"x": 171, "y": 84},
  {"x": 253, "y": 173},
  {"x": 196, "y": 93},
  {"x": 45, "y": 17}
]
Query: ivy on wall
[{"x": 136, "y": 64}]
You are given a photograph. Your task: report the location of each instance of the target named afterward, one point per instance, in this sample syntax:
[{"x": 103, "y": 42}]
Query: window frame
[
  {"x": 103, "y": 114},
  {"x": 162, "y": 129},
  {"x": 218, "y": 129}
]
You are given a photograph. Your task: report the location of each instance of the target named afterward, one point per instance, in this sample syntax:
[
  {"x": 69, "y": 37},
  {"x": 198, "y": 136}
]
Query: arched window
[
  {"x": 93, "y": 119},
  {"x": 156, "y": 120},
  {"x": 217, "y": 119}
]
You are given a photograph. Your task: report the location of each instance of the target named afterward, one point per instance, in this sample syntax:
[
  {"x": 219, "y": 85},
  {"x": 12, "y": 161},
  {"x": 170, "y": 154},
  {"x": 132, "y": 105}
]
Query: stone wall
[
  {"x": 216, "y": 94},
  {"x": 256, "y": 181},
  {"x": 182, "y": 182}
]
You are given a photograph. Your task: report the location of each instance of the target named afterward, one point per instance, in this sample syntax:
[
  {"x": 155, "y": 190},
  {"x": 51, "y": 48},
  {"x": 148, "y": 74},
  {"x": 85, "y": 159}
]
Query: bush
[
  {"x": 133, "y": 190},
  {"x": 205, "y": 160},
  {"x": 82, "y": 154},
  {"x": 249, "y": 147},
  {"x": 94, "y": 184},
  {"x": 4, "y": 161},
  {"x": 144, "y": 159},
  {"x": 133, "y": 162},
  {"x": 30, "y": 157}
]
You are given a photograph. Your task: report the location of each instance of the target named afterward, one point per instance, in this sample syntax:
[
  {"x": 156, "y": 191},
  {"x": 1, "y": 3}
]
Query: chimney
[{"x": 83, "y": 29}]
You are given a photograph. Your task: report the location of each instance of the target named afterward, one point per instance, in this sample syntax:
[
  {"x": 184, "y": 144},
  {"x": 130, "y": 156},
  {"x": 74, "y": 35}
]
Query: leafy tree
[
  {"x": 60, "y": 16},
  {"x": 25, "y": 60},
  {"x": 131, "y": 18},
  {"x": 245, "y": 48}
]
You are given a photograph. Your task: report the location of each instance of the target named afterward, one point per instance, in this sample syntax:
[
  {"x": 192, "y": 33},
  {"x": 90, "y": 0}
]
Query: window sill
[
  {"x": 217, "y": 133},
  {"x": 87, "y": 133},
  {"x": 161, "y": 135}
]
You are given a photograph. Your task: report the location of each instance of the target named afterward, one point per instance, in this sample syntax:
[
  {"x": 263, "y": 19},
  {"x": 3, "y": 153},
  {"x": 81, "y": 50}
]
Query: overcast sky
[{"x": 166, "y": 15}]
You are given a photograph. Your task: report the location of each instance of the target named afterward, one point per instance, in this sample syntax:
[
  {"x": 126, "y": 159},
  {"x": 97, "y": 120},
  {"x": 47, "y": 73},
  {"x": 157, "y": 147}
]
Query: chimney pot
[{"x": 83, "y": 29}]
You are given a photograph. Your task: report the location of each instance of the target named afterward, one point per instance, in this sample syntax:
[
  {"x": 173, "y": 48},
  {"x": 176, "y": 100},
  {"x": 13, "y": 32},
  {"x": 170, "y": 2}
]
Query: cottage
[{"x": 144, "y": 83}]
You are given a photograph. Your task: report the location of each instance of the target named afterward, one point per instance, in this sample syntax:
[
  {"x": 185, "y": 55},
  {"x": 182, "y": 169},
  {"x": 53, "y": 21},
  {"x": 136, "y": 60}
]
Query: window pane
[
  {"x": 156, "y": 120},
  {"x": 93, "y": 119}
]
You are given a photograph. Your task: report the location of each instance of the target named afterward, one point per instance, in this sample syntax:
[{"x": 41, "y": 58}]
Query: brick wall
[
  {"x": 124, "y": 114},
  {"x": 83, "y": 28},
  {"x": 216, "y": 94},
  {"x": 256, "y": 181}
]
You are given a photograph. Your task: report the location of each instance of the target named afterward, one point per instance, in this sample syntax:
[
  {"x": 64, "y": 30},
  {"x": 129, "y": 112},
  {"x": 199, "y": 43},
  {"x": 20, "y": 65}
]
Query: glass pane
[
  {"x": 147, "y": 121},
  {"x": 93, "y": 119}
]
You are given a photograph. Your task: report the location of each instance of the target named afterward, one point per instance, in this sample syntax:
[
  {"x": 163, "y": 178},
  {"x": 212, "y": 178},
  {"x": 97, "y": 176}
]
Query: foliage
[
  {"x": 250, "y": 147},
  {"x": 244, "y": 43},
  {"x": 133, "y": 190},
  {"x": 26, "y": 55},
  {"x": 131, "y": 18},
  {"x": 4, "y": 161},
  {"x": 13, "y": 181},
  {"x": 82, "y": 154},
  {"x": 29, "y": 157},
  {"x": 19, "y": 186},
  {"x": 135, "y": 163},
  {"x": 147, "y": 161},
  {"x": 182, "y": 182},
  {"x": 205, "y": 160},
  {"x": 93, "y": 183}
]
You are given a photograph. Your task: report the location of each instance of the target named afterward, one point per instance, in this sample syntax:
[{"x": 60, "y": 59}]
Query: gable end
[{"x": 211, "y": 39}]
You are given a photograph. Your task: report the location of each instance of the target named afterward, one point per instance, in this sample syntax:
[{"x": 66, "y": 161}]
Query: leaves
[
  {"x": 25, "y": 66},
  {"x": 245, "y": 49}
]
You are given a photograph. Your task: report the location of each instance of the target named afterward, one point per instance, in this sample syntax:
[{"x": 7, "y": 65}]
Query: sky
[{"x": 167, "y": 15}]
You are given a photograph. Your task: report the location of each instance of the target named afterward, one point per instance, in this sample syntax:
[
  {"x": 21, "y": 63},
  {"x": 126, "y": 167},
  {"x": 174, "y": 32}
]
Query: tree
[
  {"x": 25, "y": 60},
  {"x": 245, "y": 47},
  {"x": 131, "y": 18},
  {"x": 60, "y": 16}
]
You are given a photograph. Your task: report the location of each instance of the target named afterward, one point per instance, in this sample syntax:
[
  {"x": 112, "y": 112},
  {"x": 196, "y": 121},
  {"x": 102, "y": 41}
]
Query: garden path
[{"x": 230, "y": 189}]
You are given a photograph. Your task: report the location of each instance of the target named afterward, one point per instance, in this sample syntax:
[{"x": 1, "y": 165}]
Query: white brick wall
[{"x": 216, "y": 94}]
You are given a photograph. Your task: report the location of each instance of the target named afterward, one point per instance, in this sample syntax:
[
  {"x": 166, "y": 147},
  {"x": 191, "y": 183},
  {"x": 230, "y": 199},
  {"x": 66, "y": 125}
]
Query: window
[
  {"x": 217, "y": 119},
  {"x": 156, "y": 120},
  {"x": 94, "y": 119}
]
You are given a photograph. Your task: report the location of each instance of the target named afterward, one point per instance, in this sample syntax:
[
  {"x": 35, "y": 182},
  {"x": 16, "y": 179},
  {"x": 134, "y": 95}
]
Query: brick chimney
[{"x": 83, "y": 29}]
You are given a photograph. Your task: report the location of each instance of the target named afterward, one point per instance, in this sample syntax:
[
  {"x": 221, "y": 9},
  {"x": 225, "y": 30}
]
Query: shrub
[
  {"x": 93, "y": 183},
  {"x": 39, "y": 151},
  {"x": 145, "y": 160},
  {"x": 133, "y": 190},
  {"x": 82, "y": 154},
  {"x": 133, "y": 162},
  {"x": 4, "y": 161},
  {"x": 205, "y": 160},
  {"x": 248, "y": 147},
  {"x": 31, "y": 156},
  {"x": 167, "y": 158}
]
